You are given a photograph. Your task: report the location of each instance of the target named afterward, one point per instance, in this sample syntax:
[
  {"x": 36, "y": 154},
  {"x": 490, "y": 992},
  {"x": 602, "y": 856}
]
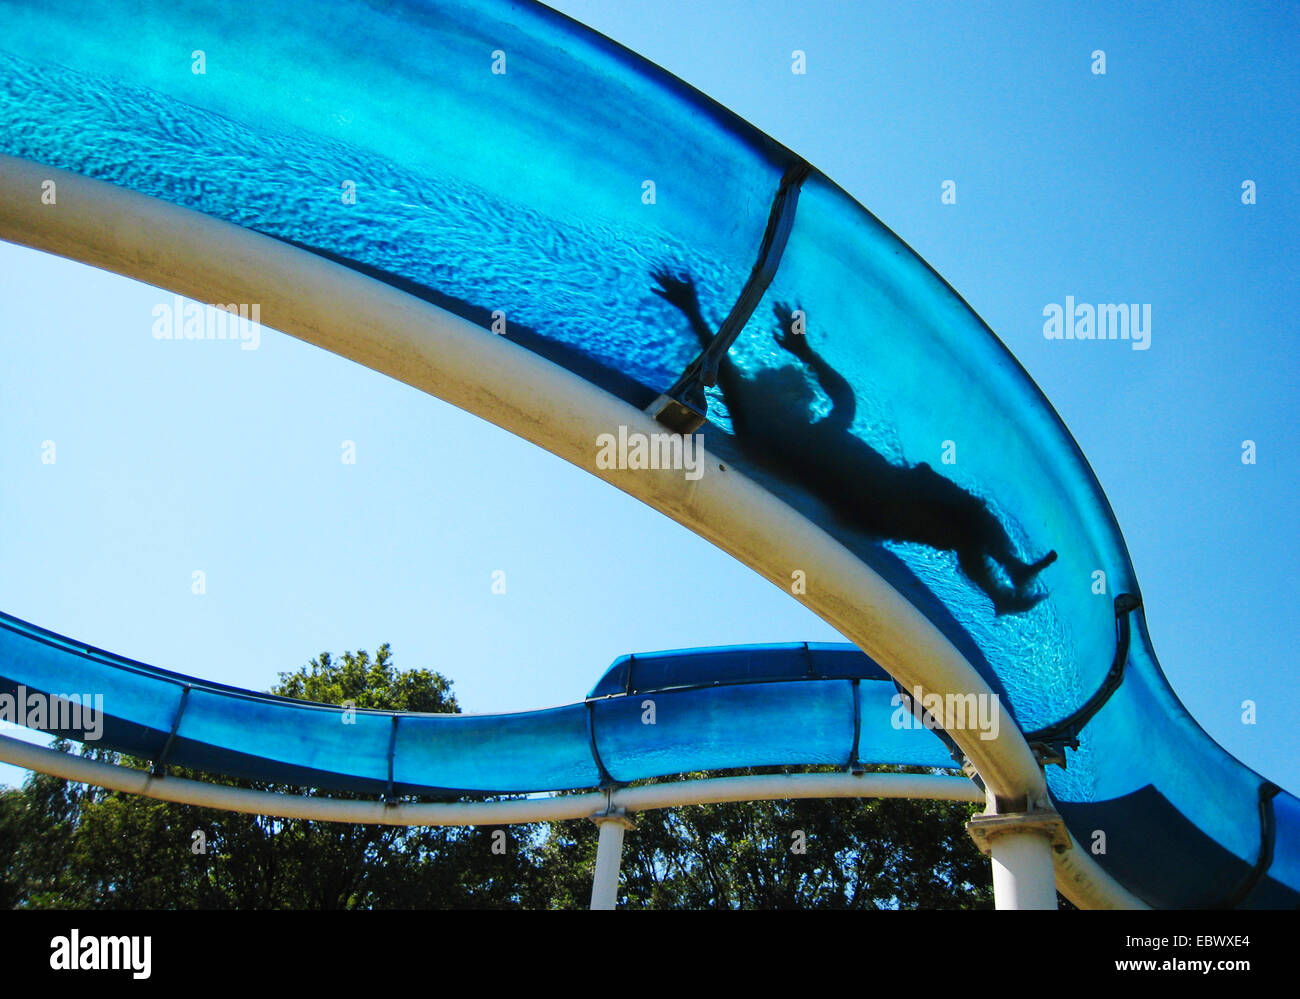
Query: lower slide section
[
  {"x": 649, "y": 716},
  {"x": 698, "y": 710}
]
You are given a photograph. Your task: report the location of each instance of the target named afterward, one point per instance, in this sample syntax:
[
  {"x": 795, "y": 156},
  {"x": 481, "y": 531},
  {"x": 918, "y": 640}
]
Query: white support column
[
  {"x": 1021, "y": 847},
  {"x": 609, "y": 856},
  {"x": 1023, "y": 876}
]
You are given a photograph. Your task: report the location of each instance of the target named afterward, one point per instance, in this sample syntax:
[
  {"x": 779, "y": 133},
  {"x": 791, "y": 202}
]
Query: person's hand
[
  {"x": 796, "y": 343},
  {"x": 679, "y": 291}
]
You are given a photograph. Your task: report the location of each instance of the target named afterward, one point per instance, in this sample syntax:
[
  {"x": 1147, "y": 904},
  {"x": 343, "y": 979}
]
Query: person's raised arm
[
  {"x": 680, "y": 291},
  {"x": 844, "y": 401}
]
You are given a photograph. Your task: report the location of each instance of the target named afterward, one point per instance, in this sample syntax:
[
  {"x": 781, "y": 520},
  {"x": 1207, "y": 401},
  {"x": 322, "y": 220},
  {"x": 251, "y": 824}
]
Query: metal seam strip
[
  {"x": 1267, "y": 835},
  {"x": 392, "y": 751},
  {"x": 606, "y": 779},
  {"x": 160, "y": 764},
  {"x": 704, "y": 369},
  {"x": 1066, "y": 731}
]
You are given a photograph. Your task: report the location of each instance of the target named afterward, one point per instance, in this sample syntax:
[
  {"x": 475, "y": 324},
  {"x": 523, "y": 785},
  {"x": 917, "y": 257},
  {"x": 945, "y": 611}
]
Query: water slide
[
  {"x": 713, "y": 709},
  {"x": 489, "y": 202}
]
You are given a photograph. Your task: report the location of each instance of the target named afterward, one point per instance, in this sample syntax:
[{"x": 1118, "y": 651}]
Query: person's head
[{"x": 786, "y": 388}]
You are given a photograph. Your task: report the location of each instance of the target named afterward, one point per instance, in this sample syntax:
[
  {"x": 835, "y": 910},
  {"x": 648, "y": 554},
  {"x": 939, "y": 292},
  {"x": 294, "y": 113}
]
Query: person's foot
[{"x": 1023, "y": 573}]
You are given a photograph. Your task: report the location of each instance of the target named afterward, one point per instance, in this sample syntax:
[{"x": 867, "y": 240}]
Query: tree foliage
[{"x": 832, "y": 853}]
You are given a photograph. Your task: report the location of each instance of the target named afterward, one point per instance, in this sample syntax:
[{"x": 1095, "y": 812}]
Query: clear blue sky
[{"x": 176, "y": 456}]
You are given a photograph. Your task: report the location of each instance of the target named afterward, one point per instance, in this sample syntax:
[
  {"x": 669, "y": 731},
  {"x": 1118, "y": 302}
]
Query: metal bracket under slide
[
  {"x": 930, "y": 722},
  {"x": 1049, "y": 743},
  {"x": 683, "y": 408}
]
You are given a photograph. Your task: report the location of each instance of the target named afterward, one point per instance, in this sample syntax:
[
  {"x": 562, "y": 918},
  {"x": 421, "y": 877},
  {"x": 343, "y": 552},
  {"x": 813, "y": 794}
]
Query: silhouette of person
[{"x": 898, "y": 502}]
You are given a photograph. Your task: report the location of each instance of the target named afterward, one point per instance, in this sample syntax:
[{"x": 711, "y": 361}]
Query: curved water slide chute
[
  {"x": 712, "y": 710},
  {"x": 486, "y": 200}
]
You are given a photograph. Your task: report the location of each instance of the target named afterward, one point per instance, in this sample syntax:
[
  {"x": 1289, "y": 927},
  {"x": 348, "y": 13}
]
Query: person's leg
[
  {"x": 976, "y": 527},
  {"x": 941, "y": 514},
  {"x": 976, "y": 567}
]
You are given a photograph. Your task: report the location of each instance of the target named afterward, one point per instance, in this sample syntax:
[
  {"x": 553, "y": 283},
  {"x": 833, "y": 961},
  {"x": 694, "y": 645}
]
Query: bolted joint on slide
[
  {"x": 985, "y": 829},
  {"x": 612, "y": 814}
]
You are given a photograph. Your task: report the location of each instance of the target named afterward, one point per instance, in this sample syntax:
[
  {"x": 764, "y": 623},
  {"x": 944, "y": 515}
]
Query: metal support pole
[
  {"x": 1023, "y": 877},
  {"x": 1021, "y": 845},
  {"x": 609, "y": 856}
]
